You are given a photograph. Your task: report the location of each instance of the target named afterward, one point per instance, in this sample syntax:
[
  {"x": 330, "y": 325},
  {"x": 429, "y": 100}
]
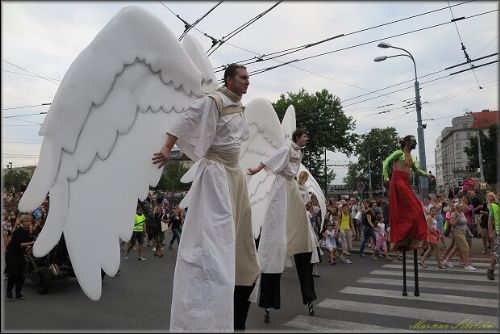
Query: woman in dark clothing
[{"x": 14, "y": 256}]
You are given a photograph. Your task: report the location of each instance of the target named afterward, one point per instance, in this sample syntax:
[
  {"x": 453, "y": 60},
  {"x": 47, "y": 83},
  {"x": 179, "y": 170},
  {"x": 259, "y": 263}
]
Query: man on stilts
[
  {"x": 286, "y": 230},
  {"x": 406, "y": 215}
]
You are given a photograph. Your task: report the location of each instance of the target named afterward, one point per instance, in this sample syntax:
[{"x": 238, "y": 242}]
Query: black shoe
[
  {"x": 490, "y": 274},
  {"x": 19, "y": 296},
  {"x": 10, "y": 296},
  {"x": 267, "y": 316},
  {"x": 316, "y": 275},
  {"x": 311, "y": 309}
]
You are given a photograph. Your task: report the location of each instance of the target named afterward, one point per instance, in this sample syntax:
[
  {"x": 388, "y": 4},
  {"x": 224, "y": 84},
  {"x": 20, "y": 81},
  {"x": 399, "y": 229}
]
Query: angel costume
[
  {"x": 217, "y": 250},
  {"x": 286, "y": 230}
]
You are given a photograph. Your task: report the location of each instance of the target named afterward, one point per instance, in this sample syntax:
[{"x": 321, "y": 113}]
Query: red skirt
[
  {"x": 433, "y": 237},
  {"x": 406, "y": 215}
]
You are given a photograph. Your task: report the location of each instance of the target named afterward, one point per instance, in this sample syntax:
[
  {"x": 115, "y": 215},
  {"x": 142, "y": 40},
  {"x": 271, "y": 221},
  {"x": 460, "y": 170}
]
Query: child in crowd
[
  {"x": 330, "y": 243},
  {"x": 381, "y": 242}
]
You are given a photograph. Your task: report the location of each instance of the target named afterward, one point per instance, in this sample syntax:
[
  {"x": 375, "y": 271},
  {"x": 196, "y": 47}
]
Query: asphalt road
[{"x": 360, "y": 297}]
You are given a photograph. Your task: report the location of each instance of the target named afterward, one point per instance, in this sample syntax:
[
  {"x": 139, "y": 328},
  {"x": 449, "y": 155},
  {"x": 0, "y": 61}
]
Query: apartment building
[{"x": 452, "y": 163}]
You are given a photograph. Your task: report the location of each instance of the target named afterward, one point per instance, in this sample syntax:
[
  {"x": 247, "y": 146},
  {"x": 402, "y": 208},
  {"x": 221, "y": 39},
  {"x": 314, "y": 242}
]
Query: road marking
[
  {"x": 443, "y": 276},
  {"x": 330, "y": 325},
  {"x": 430, "y": 284},
  {"x": 455, "y": 263},
  {"x": 406, "y": 312},
  {"x": 457, "y": 270},
  {"x": 436, "y": 298}
]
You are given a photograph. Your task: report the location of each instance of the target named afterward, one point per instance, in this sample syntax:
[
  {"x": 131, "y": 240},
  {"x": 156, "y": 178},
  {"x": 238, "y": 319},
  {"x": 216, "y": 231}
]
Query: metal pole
[
  {"x": 370, "y": 194},
  {"x": 424, "y": 184},
  {"x": 326, "y": 178},
  {"x": 480, "y": 155}
]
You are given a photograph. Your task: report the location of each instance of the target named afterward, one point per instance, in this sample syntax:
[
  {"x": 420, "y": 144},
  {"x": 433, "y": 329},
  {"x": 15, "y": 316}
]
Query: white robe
[
  {"x": 204, "y": 277},
  {"x": 276, "y": 241}
]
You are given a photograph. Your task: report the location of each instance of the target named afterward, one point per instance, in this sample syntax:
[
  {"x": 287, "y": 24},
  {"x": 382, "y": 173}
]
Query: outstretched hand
[
  {"x": 162, "y": 157},
  {"x": 252, "y": 171}
]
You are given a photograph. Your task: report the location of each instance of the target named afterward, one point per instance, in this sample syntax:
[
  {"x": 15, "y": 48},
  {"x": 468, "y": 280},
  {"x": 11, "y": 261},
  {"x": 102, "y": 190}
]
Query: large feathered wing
[
  {"x": 107, "y": 119},
  {"x": 265, "y": 137},
  {"x": 289, "y": 125}
]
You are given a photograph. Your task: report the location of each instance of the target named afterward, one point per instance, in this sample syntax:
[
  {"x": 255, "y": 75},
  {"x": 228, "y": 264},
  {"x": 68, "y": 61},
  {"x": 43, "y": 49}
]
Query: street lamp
[{"x": 424, "y": 185}]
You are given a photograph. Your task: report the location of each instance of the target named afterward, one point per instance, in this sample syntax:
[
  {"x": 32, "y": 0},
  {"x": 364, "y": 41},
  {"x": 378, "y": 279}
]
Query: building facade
[{"x": 452, "y": 163}]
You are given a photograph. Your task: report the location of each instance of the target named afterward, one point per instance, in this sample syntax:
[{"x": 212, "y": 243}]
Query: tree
[
  {"x": 170, "y": 178},
  {"x": 328, "y": 127},
  {"x": 17, "y": 178},
  {"x": 372, "y": 149},
  {"x": 489, "y": 146}
]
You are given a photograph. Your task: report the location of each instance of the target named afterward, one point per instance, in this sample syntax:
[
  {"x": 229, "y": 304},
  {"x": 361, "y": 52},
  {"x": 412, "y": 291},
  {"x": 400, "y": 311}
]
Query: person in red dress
[{"x": 406, "y": 215}]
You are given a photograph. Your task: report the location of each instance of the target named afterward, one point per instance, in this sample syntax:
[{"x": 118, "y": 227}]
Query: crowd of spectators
[{"x": 454, "y": 222}]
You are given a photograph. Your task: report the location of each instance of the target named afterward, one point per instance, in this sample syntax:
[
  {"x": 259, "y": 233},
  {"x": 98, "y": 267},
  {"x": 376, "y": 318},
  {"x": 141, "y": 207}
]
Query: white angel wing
[
  {"x": 265, "y": 137},
  {"x": 313, "y": 186},
  {"x": 106, "y": 121},
  {"x": 288, "y": 123}
]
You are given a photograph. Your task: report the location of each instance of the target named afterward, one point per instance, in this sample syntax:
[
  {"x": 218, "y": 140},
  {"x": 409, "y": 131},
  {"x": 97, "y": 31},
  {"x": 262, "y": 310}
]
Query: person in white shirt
[{"x": 217, "y": 264}]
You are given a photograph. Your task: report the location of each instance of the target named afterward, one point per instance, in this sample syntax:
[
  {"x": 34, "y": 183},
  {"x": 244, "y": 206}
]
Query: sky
[{"x": 40, "y": 40}]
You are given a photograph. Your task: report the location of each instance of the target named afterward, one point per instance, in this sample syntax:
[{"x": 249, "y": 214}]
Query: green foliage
[
  {"x": 16, "y": 178},
  {"x": 371, "y": 149},
  {"x": 170, "y": 179},
  {"x": 489, "y": 149},
  {"x": 328, "y": 127}
]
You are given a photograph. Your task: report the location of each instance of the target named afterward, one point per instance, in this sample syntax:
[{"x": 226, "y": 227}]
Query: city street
[{"x": 363, "y": 296}]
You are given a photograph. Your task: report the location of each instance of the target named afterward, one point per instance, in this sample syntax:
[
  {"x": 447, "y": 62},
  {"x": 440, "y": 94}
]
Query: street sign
[{"x": 361, "y": 186}]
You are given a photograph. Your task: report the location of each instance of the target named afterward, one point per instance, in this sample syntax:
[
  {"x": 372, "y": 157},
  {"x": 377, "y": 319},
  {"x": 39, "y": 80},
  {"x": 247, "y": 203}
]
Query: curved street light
[{"x": 424, "y": 185}]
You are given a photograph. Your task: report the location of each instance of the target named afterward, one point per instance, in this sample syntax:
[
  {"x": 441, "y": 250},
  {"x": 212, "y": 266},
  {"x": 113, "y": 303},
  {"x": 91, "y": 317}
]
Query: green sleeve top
[{"x": 398, "y": 155}]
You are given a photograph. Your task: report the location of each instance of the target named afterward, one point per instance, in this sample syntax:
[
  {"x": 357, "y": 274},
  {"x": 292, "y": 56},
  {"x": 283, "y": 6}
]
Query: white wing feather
[
  {"x": 265, "y": 137},
  {"x": 289, "y": 125},
  {"x": 106, "y": 121},
  {"x": 313, "y": 186}
]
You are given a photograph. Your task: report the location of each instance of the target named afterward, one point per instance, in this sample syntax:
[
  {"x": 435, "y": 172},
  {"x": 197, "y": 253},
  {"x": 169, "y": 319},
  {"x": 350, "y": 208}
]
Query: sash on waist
[
  {"x": 227, "y": 158},
  {"x": 286, "y": 176}
]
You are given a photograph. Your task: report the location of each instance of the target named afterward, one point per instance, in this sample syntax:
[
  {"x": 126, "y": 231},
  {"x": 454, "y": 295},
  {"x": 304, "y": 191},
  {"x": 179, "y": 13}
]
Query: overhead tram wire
[
  {"x": 463, "y": 46},
  {"x": 239, "y": 29},
  {"x": 39, "y": 76},
  {"x": 277, "y": 54},
  {"x": 260, "y": 71},
  {"x": 191, "y": 26},
  {"x": 411, "y": 80},
  {"x": 21, "y": 107},
  {"x": 409, "y": 87}
]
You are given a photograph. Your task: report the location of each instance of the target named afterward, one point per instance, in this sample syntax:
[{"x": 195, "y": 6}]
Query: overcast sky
[{"x": 41, "y": 39}]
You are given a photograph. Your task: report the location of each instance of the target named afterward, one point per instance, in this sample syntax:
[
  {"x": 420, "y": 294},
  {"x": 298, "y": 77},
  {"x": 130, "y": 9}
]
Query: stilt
[
  {"x": 415, "y": 267},
  {"x": 405, "y": 293}
]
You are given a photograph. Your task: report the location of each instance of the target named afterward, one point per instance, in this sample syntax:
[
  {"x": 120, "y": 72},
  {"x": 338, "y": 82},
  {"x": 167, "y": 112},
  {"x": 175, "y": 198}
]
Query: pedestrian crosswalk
[{"x": 451, "y": 299}]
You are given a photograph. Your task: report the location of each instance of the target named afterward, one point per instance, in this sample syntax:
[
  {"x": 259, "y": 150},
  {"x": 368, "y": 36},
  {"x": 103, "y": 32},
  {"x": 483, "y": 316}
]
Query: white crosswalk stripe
[
  {"x": 444, "y": 276},
  {"x": 418, "y": 315},
  {"x": 404, "y": 312},
  {"x": 430, "y": 284},
  {"x": 431, "y": 268},
  {"x": 436, "y": 298},
  {"x": 457, "y": 264}
]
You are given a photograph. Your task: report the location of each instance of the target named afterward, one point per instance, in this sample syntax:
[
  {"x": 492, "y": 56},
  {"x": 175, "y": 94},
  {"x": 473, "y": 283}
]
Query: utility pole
[
  {"x": 480, "y": 155},
  {"x": 326, "y": 178},
  {"x": 370, "y": 193}
]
